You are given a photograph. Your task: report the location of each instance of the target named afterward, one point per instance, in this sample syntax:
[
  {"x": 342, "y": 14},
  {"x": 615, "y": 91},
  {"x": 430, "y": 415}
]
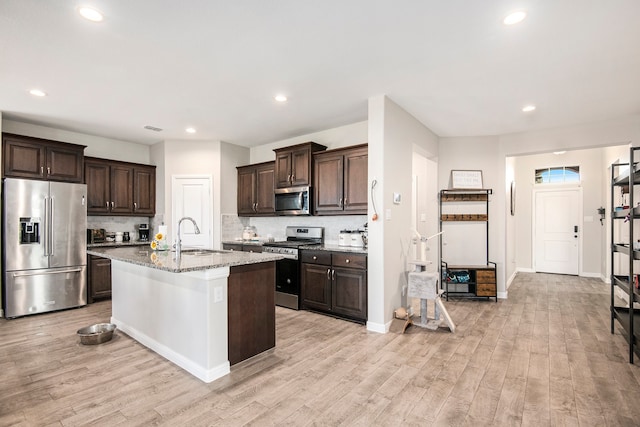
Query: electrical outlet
[{"x": 217, "y": 294}]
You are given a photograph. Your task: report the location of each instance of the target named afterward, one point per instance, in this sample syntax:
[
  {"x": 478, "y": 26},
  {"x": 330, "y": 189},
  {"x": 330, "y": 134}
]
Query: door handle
[{"x": 575, "y": 228}]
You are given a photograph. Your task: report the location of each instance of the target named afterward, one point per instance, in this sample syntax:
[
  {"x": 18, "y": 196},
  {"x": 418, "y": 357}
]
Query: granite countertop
[
  {"x": 165, "y": 260},
  {"x": 336, "y": 248},
  {"x": 117, "y": 244},
  {"x": 333, "y": 247}
]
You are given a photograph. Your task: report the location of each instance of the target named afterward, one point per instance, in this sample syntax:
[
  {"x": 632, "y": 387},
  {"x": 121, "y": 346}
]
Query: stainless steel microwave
[{"x": 293, "y": 201}]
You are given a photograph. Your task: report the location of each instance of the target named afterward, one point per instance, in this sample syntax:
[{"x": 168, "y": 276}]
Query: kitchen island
[{"x": 203, "y": 312}]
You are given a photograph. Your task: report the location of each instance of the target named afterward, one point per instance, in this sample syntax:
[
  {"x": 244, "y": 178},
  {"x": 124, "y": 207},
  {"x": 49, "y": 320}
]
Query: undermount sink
[{"x": 202, "y": 252}]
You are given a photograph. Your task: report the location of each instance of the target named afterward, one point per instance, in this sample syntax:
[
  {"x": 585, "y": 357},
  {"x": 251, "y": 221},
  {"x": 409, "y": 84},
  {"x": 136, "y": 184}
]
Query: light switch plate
[{"x": 397, "y": 198}]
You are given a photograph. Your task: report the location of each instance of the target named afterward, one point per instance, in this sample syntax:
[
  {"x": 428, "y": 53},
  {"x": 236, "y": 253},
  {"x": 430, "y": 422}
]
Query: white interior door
[
  {"x": 557, "y": 231},
  {"x": 191, "y": 196}
]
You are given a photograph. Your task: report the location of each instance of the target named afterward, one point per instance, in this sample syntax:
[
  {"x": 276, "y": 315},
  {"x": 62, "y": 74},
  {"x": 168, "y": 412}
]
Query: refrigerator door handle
[
  {"x": 33, "y": 273},
  {"x": 50, "y": 225},
  {"x": 45, "y": 230}
]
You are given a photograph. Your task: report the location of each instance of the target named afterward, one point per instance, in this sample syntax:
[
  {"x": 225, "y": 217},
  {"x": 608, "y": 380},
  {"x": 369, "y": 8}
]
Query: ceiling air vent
[{"x": 153, "y": 128}]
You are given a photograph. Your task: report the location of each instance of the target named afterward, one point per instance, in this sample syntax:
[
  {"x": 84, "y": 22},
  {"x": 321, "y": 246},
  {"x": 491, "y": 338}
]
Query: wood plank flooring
[{"x": 543, "y": 357}]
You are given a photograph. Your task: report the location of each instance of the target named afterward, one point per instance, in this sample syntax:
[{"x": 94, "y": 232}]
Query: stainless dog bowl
[{"x": 96, "y": 334}]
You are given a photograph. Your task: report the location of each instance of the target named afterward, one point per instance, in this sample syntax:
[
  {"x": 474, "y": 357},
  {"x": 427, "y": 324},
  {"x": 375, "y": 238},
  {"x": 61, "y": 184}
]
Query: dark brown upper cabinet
[
  {"x": 120, "y": 188},
  {"x": 42, "y": 159},
  {"x": 255, "y": 189},
  {"x": 340, "y": 181},
  {"x": 293, "y": 166}
]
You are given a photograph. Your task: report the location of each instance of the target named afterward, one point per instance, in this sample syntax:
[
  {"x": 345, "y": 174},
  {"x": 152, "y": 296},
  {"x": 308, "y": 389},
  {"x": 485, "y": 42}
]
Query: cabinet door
[
  {"x": 232, "y": 247},
  {"x": 144, "y": 191},
  {"x": 356, "y": 181},
  {"x": 283, "y": 169},
  {"x": 301, "y": 167},
  {"x": 121, "y": 189},
  {"x": 246, "y": 191},
  {"x": 99, "y": 278},
  {"x": 23, "y": 159},
  {"x": 349, "y": 292},
  {"x": 265, "y": 185},
  {"x": 328, "y": 171},
  {"x": 316, "y": 286},
  {"x": 64, "y": 164},
  {"x": 98, "y": 178}
]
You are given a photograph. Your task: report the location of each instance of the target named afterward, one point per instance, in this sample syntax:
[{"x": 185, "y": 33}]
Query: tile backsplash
[{"x": 232, "y": 225}]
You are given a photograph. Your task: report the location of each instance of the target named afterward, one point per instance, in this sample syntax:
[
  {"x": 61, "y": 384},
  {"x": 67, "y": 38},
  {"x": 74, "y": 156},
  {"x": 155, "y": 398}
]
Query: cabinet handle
[
  {"x": 340, "y": 202},
  {"x": 333, "y": 274},
  {"x": 288, "y": 178},
  {"x": 41, "y": 170},
  {"x": 345, "y": 201},
  {"x": 328, "y": 274},
  {"x": 107, "y": 205},
  {"x": 293, "y": 178},
  {"x": 315, "y": 257},
  {"x": 347, "y": 261},
  {"x": 48, "y": 170},
  {"x": 111, "y": 205},
  {"x": 135, "y": 206}
]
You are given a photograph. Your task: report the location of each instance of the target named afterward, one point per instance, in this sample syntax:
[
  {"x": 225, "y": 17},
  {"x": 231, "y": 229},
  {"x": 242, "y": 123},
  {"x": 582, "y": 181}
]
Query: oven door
[{"x": 288, "y": 283}]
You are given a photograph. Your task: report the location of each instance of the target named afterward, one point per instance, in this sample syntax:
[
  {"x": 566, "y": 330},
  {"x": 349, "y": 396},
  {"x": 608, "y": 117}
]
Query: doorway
[
  {"x": 191, "y": 196},
  {"x": 557, "y": 230}
]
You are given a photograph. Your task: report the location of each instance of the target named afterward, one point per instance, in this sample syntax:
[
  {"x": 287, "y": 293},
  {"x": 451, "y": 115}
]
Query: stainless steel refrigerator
[{"x": 44, "y": 246}]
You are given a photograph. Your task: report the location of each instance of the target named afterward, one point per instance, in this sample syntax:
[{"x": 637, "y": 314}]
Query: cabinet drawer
[
  {"x": 350, "y": 260},
  {"x": 316, "y": 257},
  {"x": 485, "y": 290},
  {"x": 486, "y": 276}
]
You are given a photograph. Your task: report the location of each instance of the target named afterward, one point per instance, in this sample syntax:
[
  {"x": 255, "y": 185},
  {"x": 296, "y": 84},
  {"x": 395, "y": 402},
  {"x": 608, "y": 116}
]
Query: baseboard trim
[
  {"x": 525, "y": 270},
  {"x": 378, "y": 327},
  {"x": 595, "y": 275}
]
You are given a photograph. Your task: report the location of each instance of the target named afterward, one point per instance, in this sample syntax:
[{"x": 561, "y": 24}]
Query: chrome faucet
[{"x": 179, "y": 240}]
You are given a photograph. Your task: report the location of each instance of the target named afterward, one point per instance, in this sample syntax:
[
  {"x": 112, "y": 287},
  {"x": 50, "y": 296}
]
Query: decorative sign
[{"x": 466, "y": 180}]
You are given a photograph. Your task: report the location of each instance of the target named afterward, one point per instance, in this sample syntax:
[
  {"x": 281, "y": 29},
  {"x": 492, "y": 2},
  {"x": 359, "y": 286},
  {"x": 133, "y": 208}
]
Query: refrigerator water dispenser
[{"x": 29, "y": 230}]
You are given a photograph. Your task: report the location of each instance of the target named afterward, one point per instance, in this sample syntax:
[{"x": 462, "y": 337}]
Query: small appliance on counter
[
  {"x": 125, "y": 236},
  {"x": 357, "y": 240},
  {"x": 95, "y": 235},
  {"x": 344, "y": 238},
  {"x": 143, "y": 232}
]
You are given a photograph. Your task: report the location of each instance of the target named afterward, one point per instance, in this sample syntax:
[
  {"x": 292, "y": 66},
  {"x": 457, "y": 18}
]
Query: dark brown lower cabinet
[
  {"x": 99, "y": 272},
  {"x": 251, "y": 310},
  {"x": 335, "y": 283}
]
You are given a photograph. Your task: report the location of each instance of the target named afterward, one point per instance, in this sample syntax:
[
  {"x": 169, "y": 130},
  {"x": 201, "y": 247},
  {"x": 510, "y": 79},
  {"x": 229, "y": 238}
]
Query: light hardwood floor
[{"x": 543, "y": 357}]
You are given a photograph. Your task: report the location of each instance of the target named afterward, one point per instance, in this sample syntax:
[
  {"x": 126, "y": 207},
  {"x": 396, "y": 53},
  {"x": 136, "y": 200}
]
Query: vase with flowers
[{"x": 159, "y": 242}]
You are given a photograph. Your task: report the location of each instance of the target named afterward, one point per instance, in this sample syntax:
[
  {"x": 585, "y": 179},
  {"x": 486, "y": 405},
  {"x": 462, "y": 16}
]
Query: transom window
[{"x": 558, "y": 175}]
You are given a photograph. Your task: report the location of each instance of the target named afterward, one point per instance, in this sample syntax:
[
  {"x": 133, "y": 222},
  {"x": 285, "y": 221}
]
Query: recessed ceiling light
[
  {"x": 91, "y": 14},
  {"x": 280, "y": 98},
  {"x": 557, "y": 153},
  {"x": 190, "y": 130},
  {"x": 37, "y": 92},
  {"x": 514, "y": 17},
  {"x": 528, "y": 108}
]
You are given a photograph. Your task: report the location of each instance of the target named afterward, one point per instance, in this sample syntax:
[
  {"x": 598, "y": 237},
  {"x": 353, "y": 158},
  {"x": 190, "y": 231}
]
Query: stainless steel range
[{"x": 288, "y": 269}]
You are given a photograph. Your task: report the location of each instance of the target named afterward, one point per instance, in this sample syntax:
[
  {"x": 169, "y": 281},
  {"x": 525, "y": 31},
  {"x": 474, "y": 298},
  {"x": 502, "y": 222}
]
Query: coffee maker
[{"x": 143, "y": 232}]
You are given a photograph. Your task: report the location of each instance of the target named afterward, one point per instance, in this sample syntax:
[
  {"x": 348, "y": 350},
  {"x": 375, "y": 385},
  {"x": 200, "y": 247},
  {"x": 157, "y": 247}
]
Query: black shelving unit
[
  {"x": 480, "y": 280},
  {"x": 623, "y": 180}
]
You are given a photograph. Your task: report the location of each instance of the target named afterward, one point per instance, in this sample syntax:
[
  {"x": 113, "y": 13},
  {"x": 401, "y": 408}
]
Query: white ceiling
[{"x": 216, "y": 65}]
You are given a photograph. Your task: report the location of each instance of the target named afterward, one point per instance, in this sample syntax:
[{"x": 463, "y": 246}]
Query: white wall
[
  {"x": 97, "y": 146},
  {"x": 339, "y": 137},
  {"x": 230, "y": 157},
  {"x": 510, "y": 223},
  {"x": 392, "y": 135}
]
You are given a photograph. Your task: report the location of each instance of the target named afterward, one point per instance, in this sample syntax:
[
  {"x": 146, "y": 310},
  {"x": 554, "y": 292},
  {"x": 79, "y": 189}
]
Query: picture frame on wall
[{"x": 466, "y": 180}]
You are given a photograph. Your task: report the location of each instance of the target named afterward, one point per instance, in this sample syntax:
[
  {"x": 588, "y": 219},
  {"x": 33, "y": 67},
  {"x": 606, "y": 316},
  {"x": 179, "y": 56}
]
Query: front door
[
  {"x": 192, "y": 198},
  {"x": 557, "y": 231}
]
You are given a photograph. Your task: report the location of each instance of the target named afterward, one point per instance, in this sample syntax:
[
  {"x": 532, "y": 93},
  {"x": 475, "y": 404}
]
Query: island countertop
[{"x": 194, "y": 261}]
